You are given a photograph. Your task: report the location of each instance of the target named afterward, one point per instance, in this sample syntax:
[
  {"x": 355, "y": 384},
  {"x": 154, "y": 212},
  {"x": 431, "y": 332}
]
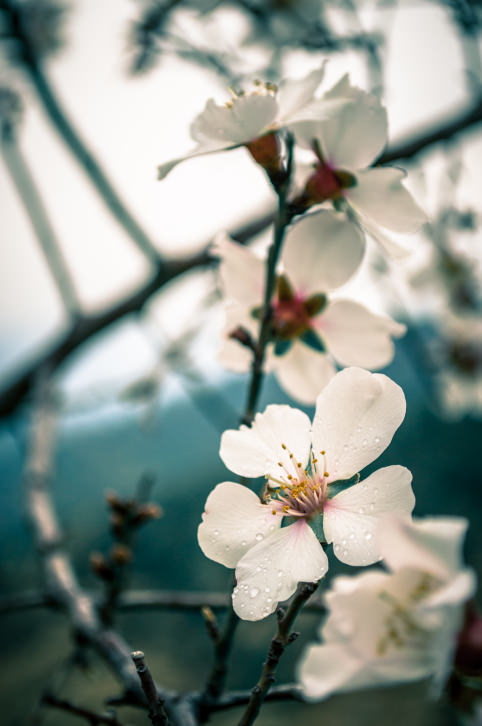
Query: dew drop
[
  {"x": 216, "y": 533},
  {"x": 259, "y": 537},
  {"x": 345, "y": 447},
  {"x": 254, "y": 591},
  {"x": 377, "y": 439},
  {"x": 243, "y": 543},
  {"x": 267, "y": 589},
  {"x": 364, "y": 442},
  {"x": 280, "y": 573},
  {"x": 368, "y": 536},
  {"x": 361, "y": 510},
  {"x": 269, "y": 599}
]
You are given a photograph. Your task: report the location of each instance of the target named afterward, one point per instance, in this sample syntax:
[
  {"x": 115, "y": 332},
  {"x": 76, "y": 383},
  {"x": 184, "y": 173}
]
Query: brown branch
[
  {"x": 157, "y": 713},
  {"x": 283, "y": 638},
  {"x": 60, "y": 580},
  {"x": 14, "y": 14},
  {"x": 94, "y": 719},
  {"x": 440, "y": 132},
  {"x": 285, "y": 692},
  {"x": 37, "y": 214},
  {"x": 88, "y": 326}
]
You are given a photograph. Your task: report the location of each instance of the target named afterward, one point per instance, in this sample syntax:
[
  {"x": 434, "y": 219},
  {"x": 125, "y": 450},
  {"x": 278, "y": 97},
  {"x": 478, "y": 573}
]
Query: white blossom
[
  {"x": 396, "y": 626},
  {"x": 249, "y": 116},
  {"x": 347, "y": 141},
  {"x": 310, "y": 329},
  {"x": 274, "y": 543}
]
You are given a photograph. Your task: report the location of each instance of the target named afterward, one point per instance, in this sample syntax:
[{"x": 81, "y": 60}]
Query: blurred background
[{"x": 107, "y": 285}]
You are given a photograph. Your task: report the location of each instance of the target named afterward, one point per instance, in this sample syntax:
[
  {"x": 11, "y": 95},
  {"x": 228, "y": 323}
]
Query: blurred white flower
[
  {"x": 347, "y": 140},
  {"x": 252, "y": 118},
  {"x": 398, "y": 626},
  {"x": 312, "y": 477},
  {"x": 322, "y": 251}
]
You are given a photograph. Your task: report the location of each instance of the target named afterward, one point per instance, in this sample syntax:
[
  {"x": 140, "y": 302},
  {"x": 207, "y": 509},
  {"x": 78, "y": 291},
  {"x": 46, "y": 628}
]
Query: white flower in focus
[
  {"x": 309, "y": 329},
  {"x": 345, "y": 142},
  {"x": 250, "y": 118},
  {"x": 275, "y": 544},
  {"x": 385, "y": 628}
]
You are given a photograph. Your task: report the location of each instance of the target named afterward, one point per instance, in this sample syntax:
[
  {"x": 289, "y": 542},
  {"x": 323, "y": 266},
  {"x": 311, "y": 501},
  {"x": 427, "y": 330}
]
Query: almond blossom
[
  {"x": 346, "y": 142},
  {"x": 312, "y": 493},
  {"x": 309, "y": 329},
  {"x": 391, "y": 627},
  {"x": 251, "y": 118}
]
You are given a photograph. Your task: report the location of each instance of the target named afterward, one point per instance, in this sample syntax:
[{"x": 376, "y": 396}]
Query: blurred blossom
[
  {"x": 396, "y": 626},
  {"x": 346, "y": 141},
  {"x": 313, "y": 494},
  {"x": 308, "y": 328}
]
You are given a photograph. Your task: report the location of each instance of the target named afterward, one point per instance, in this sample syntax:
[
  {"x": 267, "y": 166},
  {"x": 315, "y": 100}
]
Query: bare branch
[
  {"x": 157, "y": 713},
  {"x": 93, "y": 718},
  {"x": 440, "y": 132},
  {"x": 285, "y": 692},
  {"x": 71, "y": 137},
  {"x": 38, "y": 217},
  {"x": 88, "y": 326},
  {"x": 61, "y": 582},
  {"x": 282, "y": 638}
]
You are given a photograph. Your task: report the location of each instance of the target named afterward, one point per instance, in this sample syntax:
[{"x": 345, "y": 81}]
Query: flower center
[
  {"x": 290, "y": 318},
  {"x": 399, "y": 627},
  {"x": 301, "y": 492}
]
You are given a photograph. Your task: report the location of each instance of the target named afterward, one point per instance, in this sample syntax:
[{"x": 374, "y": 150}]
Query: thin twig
[
  {"x": 283, "y": 637},
  {"x": 92, "y": 717},
  {"x": 157, "y": 713},
  {"x": 285, "y": 692},
  {"x": 217, "y": 678},
  {"x": 71, "y": 137}
]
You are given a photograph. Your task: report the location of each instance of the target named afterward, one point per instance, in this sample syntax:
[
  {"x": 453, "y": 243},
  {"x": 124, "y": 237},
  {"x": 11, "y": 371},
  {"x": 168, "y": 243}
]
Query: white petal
[
  {"x": 201, "y": 150},
  {"x": 258, "y": 450},
  {"x": 294, "y": 94},
  {"x": 353, "y": 132},
  {"x": 352, "y": 517},
  {"x": 234, "y": 520},
  {"x": 357, "y": 337},
  {"x": 380, "y": 197},
  {"x": 322, "y": 252},
  {"x": 326, "y": 669},
  {"x": 433, "y": 545},
  {"x": 393, "y": 248},
  {"x": 270, "y": 571},
  {"x": 356, "y": 416},
  {"x": 303, "y": 372},
  {"x": 245, "y": 119},
  {"x": 241, "y": 271}
]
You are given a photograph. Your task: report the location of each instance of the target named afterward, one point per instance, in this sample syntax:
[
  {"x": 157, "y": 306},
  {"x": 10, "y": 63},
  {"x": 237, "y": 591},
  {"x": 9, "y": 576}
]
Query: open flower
[
  {"x": 274, "y": 543},
  {"x": 399, "y": 626},
  {"x": 251, "y": 118},
  {"x": 345, "y": 142},
  {"x": 308, "y": 328}
]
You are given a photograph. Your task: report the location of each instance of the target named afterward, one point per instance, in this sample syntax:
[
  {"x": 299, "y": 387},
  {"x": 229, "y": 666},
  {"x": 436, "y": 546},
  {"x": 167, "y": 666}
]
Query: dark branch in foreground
[
  {"x": 285, "y": 692},
  {"x": 156, "y": 705},
  {"x": 93, "y": 718},
  {"x": 88, "y": 326},
  {"x": 441, "y": 132},
  {"x": 283, "y": 638}
]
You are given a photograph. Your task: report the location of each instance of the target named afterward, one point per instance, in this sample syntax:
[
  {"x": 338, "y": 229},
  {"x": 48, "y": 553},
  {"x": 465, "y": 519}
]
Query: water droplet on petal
[
  {"x": 259, "y": 537},
  {"x": 377, "y": 439},
  {"x": 216, "y": 533},
  {"x": 368, "y": 536},
  {"x": 254, "y": 591},
  {"x": 243, "y": 543}
]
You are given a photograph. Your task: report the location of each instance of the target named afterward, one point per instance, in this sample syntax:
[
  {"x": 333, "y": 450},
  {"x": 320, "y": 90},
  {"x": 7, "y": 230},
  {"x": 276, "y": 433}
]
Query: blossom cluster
[{"x": 319, "y": 153}]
